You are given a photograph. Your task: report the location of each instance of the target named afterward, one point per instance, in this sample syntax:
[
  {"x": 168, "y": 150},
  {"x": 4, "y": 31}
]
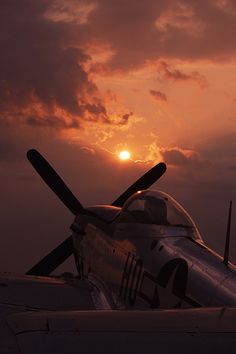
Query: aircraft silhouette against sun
[{"x": 142, "y": 252}]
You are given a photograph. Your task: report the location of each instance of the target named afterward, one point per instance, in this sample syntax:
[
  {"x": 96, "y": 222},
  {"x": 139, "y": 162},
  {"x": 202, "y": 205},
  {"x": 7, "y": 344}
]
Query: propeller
[
  {"x": 49, "y": 263},
  {"x": 142, "y": 183},
  {"x": 54, "y": 181},
  {"x": 57, "y": 256}
]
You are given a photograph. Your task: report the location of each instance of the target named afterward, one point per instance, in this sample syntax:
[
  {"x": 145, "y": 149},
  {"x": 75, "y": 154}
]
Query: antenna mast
[{"x": 226, "y": 253}]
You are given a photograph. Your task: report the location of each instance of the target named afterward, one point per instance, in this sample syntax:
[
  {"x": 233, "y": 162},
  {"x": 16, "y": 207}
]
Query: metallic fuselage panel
[{"x": 146, "y": 270}]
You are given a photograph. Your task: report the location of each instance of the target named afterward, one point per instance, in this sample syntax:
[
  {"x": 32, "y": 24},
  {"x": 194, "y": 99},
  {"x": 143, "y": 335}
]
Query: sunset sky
[{"x": 83, "y": 80}]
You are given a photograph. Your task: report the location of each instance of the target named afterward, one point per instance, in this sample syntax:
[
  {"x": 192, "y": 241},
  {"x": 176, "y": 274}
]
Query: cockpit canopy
[{"x": 158, "y": 208}]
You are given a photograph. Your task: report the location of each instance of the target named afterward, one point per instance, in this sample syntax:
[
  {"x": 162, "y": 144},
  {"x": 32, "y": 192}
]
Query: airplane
[{"x": 141, "y": 262}]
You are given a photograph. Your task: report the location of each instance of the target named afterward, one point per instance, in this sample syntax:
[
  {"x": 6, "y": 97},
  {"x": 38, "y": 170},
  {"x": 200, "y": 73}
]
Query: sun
[{"x": 124, "y": 155}]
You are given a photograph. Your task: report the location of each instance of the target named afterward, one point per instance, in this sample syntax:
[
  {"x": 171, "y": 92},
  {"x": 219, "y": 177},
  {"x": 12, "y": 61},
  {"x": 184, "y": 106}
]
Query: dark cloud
[
  {"x": 45, "y": 66},
  {"x": 43, "y": 80},
  {"x": 53, "y": 122},
  {"x": 88, "y": 150},
  {"x": 221, "y": 147},
  {"x": 151, "y": 30},
  {"x": 158, "y": 95},
  {"x": 170, "y": 73},
  {"x": 181, "y": 157},
  {"x": 125, "y": 118}
]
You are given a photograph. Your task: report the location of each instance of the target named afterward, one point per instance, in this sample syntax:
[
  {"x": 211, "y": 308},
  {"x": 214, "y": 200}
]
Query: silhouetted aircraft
[{"x": 142, "y": 262}]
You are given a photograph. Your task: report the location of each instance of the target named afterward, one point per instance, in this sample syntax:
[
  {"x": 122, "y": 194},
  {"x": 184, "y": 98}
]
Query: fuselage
[{"x": 143, "y": 265}]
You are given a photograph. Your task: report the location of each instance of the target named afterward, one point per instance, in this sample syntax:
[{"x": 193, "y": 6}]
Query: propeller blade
[
  {"x": 54, "y": 181},
  {"x": 56, "y": 257},
  {"x": 142, "y": 183}
]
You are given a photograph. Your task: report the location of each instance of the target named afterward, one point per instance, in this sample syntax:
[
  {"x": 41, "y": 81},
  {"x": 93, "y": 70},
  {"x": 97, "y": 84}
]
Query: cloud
[
  {"x": 46, "y": 80},
  {"x": 70, "y": 11},
  {"x": 182, "y": 18},
  {"x": 125, "y": 118},
  {"x": 176, "y": 75},
  {"x": 173, "y": 156},
  {"x": 165, "y": 29},
  {"x": 181, "y": 157},
  {"x": 88, "y": 150},
  {"x": 221, "y": 149},
  {"x": 45, "y": 70},
  {"x": 158, "y": 95},
  {"x": 52, "y": 121},
  {"x": 43, "y": 75},
  {"x": 48, "y": 47}
]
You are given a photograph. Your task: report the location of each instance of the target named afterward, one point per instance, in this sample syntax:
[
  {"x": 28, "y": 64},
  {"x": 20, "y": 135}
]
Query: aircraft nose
[{"x": 77, "y": 228}]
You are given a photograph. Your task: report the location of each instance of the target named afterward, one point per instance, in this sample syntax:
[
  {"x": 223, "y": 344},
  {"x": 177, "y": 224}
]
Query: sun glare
[{"x": 124, "y": 155}]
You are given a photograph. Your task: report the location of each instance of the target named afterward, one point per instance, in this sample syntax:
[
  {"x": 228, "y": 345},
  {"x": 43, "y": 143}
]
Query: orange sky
[
  {"x": 108, "y": 74},
  {"x": 82, "y": 80},
  {"x": 191, "y": 113}
]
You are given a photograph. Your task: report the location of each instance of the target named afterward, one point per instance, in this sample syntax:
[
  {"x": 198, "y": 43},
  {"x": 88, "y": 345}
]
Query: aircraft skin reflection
[
  {"x": 152, "y": 266},
  {"x": 143, "y": 252}
]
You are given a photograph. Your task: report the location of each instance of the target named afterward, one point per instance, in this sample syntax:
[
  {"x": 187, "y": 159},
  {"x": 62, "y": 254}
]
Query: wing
[
  {"x": 208, "y": 330},
  {"x": 22, "y": 293}
]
